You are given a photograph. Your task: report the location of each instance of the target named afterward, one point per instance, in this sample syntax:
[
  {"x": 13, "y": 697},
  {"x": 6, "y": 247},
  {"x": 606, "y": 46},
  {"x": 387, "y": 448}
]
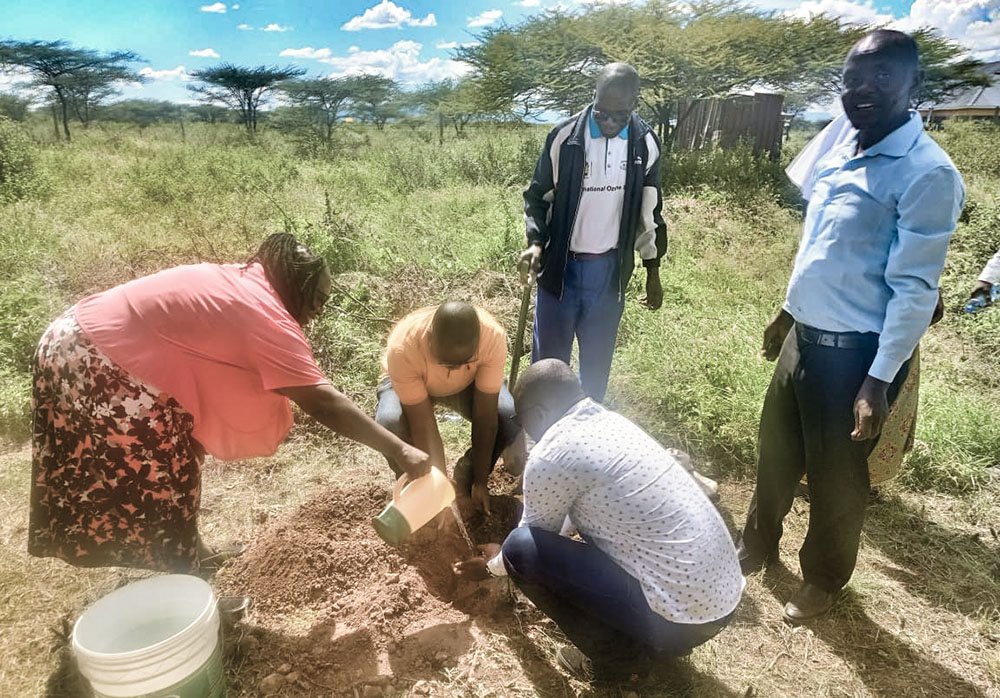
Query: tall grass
[{"x": 403, "y": 221}]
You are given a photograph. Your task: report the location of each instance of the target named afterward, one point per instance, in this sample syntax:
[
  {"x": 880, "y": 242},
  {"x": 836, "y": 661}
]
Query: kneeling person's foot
[
  {"x": 575, "y": 662},
  {"x": 578, "y": 665},
  {"x": 808, "y": 603}
]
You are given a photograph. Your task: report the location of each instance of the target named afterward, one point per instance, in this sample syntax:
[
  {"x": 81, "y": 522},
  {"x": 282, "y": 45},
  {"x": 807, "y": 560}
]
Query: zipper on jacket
[{"x": 569, "y": 241}]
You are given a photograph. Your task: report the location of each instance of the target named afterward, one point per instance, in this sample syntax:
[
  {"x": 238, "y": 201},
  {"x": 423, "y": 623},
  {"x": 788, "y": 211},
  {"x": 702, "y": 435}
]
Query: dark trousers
[
  {"x": 589, "y": 309},
  {"x": 390, "y": 415},
  {"x": 598, "y": 605},
  {"x": 805, "y": 427}
]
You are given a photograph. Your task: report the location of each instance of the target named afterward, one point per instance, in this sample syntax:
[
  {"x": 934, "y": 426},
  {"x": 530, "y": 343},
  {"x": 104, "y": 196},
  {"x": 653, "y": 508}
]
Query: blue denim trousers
[
  {"x": 599, "y": 606},
  {"x": 390, "y": 415},
  {"x": 589, "y": 310}
]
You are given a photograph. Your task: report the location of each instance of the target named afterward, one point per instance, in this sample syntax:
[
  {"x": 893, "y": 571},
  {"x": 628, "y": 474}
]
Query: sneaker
[{"x": 575, "y": 663}]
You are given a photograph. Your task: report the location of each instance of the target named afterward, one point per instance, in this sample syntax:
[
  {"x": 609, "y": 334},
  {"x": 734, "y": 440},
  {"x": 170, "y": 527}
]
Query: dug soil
[{"x": 338, "y": 611}]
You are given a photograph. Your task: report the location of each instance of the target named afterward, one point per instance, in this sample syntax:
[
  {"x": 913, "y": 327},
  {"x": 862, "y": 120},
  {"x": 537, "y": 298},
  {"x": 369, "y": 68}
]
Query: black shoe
[
  {"x": 808, "y": 603},
  {"x": 751, "y": 560}
]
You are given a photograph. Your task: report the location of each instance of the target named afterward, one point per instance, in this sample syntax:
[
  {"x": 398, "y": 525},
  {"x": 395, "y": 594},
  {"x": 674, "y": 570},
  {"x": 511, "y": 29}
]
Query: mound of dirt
[{"x": 375, "y": 613}]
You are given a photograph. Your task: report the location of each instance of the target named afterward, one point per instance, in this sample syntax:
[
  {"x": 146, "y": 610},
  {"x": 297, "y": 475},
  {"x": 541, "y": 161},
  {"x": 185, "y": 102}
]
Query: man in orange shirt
[{"x": 451, "y": 355}]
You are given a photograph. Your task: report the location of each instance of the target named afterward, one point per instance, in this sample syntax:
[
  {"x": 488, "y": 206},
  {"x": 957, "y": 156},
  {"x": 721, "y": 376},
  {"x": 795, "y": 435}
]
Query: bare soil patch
[{"x": 375, "y": 616}]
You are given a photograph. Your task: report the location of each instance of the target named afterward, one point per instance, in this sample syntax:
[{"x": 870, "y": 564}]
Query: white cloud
[
  {"x": 244, "y": 27},
  {"x": 854, "y": 12},
  {"x": 484, "y": 19},
  {"x": 218, "y": 8},
  {"x": 276, "y": 28},
  {"x": 14, "y": 75},
  {"x": 975, "y": 24},
  {"x": 447, "y": 45},
  {"x": 235, "y": 7},
  {"x": 204, "y": 53},
  {"x": 429, "y": 21},
  {"x": 306, "y": 52},
  {"x": 387, "y": 15},
  {"x": 401, "y": 62},
  {"x": 529, "y": 3},
  {"x": 178, "y": 73}
]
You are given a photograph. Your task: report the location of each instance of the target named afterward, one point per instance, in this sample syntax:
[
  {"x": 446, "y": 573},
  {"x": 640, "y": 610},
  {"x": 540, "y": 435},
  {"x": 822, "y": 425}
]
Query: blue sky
[{"x": 409, "y": 40}]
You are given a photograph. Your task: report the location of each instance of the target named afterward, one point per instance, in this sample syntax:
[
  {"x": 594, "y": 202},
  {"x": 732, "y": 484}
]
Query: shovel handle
[{"x": 522, "y": 317}]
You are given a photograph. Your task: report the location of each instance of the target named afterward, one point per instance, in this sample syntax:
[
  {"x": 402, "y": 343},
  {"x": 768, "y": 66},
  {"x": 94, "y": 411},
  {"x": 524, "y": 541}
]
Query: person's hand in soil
[
  {"x": 481, "y": 497},
  {"x": 474, "y": 568}
]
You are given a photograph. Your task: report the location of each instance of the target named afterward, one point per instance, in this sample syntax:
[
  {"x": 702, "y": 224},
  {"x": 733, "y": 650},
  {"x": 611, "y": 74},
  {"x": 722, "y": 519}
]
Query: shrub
[{"x": 20, "y": 176}]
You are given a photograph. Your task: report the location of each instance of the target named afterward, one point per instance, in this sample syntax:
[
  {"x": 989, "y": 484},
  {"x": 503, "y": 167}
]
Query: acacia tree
[
  {"x": 683, "y": 51},
  {"x": 321, "y": 100},
  {"x": 375, "y": 98},
  {"x": 63, "y": 68},
  {"x": 89, "y": 88},
  {"x": 241, "y": 88}
]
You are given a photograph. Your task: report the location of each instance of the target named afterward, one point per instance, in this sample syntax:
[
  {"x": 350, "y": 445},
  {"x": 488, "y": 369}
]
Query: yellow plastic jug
[{"x": 414, "y": 503}]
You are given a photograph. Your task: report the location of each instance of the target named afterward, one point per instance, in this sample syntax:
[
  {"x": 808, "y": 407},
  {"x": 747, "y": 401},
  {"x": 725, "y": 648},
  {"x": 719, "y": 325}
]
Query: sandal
[
  {"x": 232, "y": 608},
  {"x": 213, "y": 559}
]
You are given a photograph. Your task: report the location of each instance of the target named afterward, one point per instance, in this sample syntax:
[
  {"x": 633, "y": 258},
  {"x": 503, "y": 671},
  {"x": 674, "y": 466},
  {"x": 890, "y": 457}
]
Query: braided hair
[{"x": 293, "y": 270}]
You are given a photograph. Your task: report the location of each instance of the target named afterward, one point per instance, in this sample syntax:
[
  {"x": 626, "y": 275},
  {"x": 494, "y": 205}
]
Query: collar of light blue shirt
[
  {"x": 595, "y": 130},
  {"x": 898, "y": 143}
]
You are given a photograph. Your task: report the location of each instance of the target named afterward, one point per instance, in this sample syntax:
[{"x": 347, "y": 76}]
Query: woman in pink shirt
[{"x": 134, "y": 385}]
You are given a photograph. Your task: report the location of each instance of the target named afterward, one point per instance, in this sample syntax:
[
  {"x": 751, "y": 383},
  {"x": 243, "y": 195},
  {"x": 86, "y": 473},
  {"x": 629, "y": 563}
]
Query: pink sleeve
[{"x": 281, "y": 354}]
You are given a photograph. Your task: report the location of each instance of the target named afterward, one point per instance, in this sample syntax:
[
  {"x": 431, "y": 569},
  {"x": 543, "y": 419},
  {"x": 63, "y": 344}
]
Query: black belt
[
  {"x": 584, "y": 256},
  {"x": 837, "y": 340}
]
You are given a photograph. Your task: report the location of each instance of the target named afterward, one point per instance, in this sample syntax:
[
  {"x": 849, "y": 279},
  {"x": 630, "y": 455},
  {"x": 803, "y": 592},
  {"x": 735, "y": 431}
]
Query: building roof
[{"x": 976, "y": 97}]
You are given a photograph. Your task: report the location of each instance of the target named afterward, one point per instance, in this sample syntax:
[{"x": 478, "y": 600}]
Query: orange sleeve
[
  {"x": 407, "y": 379},
  {"x": 492, "y": 358}
]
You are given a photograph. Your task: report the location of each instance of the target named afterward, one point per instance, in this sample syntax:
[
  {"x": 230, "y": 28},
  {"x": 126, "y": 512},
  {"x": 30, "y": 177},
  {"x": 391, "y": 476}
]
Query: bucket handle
[{"x": 401, "y": 484}]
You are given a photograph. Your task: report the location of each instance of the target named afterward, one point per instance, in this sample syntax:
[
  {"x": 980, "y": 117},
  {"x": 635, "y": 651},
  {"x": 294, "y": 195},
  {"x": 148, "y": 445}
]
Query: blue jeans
[
  {"x": 390, "y": 415},
  {"x": 599, "y": 606},
  {"x": 590, "y": 310}
]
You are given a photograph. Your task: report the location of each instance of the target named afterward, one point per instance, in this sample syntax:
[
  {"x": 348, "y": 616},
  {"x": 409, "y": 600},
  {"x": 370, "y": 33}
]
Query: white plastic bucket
[{"x": 158, "y": 637}]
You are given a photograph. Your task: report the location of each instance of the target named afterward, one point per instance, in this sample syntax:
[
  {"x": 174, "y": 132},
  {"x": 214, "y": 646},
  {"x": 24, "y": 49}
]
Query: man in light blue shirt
[{"x": 861, "y": 295}]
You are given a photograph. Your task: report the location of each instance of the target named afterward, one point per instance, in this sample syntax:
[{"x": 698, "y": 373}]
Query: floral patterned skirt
[{"x": 115, "y": 472}]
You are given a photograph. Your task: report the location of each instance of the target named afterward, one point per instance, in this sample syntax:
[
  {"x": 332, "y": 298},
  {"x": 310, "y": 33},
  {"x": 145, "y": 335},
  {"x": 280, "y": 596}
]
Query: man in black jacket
[{"x": 593, "y": 200}]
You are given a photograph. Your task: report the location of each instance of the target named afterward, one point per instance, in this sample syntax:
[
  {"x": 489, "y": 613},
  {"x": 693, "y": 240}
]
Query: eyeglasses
[{"x": 606, "y": 115}]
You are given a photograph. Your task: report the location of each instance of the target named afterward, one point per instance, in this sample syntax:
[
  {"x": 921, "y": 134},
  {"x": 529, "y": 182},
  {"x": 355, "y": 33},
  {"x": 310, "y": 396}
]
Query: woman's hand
[{"x": 413, "y": 461}]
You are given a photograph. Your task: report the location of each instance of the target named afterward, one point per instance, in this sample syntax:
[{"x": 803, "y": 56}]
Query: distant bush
[
  {"x": 20, "y": 176},
  {"x": 974, "y": 146},
  {"x": 737, "y": 175}
]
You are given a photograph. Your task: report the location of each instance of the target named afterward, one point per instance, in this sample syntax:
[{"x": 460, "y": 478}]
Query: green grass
[{"x": 405, "y": 222}]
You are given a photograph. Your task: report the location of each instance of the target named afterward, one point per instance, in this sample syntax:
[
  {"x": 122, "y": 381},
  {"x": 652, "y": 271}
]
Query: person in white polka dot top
[{"x": 656, "y": 573}]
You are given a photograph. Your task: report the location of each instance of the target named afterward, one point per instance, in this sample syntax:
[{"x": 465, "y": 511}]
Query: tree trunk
[
  {"x": 440, "y": 129},
  {"x": 65, "y": 116},
  {"x": 183, "y": 134},
  {"x": 55, "y": 121}
]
